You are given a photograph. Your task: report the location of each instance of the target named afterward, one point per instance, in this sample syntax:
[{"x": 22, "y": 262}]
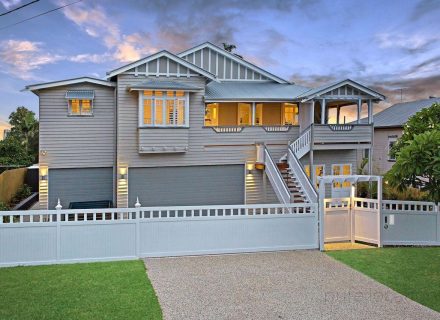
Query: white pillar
[
  {"x": 338, "y": 113},
  {"x": 253, "y": 113},
  {"x": 379, "y": 211},
  {"x": 312, "y": 112},
  {"x": 352, "y": 218},
  {"x": 370, "y": 111},
  {"x": 359, "y": 109},
  {"x": 323, "y": 107},
  {"x": 321, "y": 196}
]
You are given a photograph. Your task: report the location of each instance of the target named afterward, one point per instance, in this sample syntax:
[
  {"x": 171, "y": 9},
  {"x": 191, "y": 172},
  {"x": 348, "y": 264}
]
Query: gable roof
[
  {"x": 235, "y": 58},
  {"x": 331, "y": 86},
  {"x": 398, "y": 114},
  {"x": 254, "y": 91},
  {"x": 45, "y": 85},
  {"x": 157, "y": 55}
]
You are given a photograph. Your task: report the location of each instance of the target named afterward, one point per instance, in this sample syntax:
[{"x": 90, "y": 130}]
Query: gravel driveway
[{"x": 279, "y": 285}]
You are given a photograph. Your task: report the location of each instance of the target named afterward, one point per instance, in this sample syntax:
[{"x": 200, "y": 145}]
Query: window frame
[
  {"x": 392, "y": 139},
  {"x": 80, "y": 114},
  {"x": 295, "y": 115},
  {"x": 341, "y": 165},
  {"x": 164, "y": 98},
  {"x": 315, "y": 166}
]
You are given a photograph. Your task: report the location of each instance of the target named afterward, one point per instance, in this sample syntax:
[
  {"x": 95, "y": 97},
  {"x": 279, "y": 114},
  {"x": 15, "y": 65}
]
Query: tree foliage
[
  {"x": 427, "y": 119},
  {"x": 418, "y": 165},
  {"x": 20, "y": 147}
]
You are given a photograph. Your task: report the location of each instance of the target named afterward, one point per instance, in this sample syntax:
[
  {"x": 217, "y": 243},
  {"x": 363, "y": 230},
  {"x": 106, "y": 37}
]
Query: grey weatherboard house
[{"x": 200, "y": 127}]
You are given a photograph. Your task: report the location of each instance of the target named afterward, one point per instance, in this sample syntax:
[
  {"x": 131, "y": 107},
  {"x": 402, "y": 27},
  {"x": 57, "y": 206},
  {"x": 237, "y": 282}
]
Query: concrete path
[{"x": 284, "y": 285}]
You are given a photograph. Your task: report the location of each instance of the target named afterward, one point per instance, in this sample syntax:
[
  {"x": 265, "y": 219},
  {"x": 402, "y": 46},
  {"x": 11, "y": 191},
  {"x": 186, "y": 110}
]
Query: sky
[{"x": 391, "y": 46}]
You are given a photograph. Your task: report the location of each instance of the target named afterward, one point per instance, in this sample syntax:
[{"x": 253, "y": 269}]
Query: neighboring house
[
  {"x": 388, "y": 127},
  {"x": 5, "y": 129},
  {"x": 194, "y": 128}
]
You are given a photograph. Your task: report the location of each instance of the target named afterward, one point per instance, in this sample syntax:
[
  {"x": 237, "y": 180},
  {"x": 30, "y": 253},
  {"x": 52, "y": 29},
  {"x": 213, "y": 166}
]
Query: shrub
[{"x": 4, "y": 206}]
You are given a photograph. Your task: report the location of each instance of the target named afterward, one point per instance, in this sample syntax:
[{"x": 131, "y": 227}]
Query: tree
[
  {"x": 12, "y": 153},
  {"x": 426, "y": 119},
  {"x": 20, "y": 147},
  {"x": 418, "y": 164},
  {"x": 25, "y": 129}
]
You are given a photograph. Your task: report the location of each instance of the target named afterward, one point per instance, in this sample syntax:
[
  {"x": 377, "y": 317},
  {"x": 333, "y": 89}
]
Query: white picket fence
[{"x": 64, "y": 236}]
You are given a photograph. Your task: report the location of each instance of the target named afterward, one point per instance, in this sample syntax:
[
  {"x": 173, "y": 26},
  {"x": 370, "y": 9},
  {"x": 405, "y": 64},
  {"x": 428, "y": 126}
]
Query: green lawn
[
  {"x": 413, "y": 272},
  {"x": 109, "y": 290}
]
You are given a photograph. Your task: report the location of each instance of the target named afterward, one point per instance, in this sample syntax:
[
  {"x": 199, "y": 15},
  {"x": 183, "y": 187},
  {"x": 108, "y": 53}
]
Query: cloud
[
  {"x": 96, "y": 23},
  {"x": 424, "y": 8},
  {"x": 411, "y": 43},
  {"x": 9, "y": 4},
  {"x": 21, "y": 57}
]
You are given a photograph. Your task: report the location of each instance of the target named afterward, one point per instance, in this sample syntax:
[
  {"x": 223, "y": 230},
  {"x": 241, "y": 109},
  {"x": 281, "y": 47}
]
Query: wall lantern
[
  {"x": 122, "y": 173},
  {"x": 43, "y": 174},
  {"x": 249, "y": 167}
]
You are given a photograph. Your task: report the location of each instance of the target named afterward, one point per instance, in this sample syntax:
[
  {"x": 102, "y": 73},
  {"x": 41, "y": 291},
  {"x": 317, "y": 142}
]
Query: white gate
[{"x": 351, "y": 219}]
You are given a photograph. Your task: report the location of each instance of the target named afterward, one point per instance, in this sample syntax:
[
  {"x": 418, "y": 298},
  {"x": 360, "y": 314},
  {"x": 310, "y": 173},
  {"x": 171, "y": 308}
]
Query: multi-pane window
[
  {"x": 290, "y": 114},
  {"x": 80, "y": 107},
  {"x": 319, "y": 172},
  {"x": 341, "y": 169},
  {"x": 164, "y": 108},
  {"x": 244, "y": 114}
]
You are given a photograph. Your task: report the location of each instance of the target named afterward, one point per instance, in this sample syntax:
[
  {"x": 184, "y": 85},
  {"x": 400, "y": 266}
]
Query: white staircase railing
[
  {"x": 275, "y": 178},
  {"x": 302, "y": 145},
  {"x": 298, "y": 170}
]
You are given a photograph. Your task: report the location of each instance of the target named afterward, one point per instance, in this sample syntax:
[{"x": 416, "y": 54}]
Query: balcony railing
[{"x": 342, "y": 133}]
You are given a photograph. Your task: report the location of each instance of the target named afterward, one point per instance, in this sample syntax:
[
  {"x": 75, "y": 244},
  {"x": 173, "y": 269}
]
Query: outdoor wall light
[
  {"x": 43, "y": 174},
  {"x": 249, "y": 167},
  {"x": 122, "y": 173}
]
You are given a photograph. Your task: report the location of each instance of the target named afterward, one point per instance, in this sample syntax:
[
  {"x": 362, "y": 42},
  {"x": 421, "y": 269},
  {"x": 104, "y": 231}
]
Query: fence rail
[{"x": 77, "y": 235}]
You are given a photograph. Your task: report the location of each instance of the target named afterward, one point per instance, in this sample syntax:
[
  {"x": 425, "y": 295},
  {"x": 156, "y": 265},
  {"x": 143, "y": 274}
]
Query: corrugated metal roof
[
  {"x": 237, "y": 90},
  {"x": 164, "y": 85},
  {"x": 397, "y": 115},
  {"x": 80, "y": 94}
]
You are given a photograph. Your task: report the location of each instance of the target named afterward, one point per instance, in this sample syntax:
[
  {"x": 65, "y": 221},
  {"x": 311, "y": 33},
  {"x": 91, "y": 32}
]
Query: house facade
[
  {"x": 388, "y": 127},
  {"x": 200, "y": 127}
]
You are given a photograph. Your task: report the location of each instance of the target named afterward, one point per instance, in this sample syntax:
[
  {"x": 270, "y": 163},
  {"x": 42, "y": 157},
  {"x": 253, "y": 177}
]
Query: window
[
  {"x": 163, "y": 108},
  {"x": 80, "y": 107},
  {"x": 290, "y": 114},
  {"x": 80, "y": 102},
  {"x": 211, "y": 114},
  {"x": 391, "y": 142},
  {"x": 341, "y": 169},
  {"x": 244, "y": 114},
  {"x": 319, "y": 172}
]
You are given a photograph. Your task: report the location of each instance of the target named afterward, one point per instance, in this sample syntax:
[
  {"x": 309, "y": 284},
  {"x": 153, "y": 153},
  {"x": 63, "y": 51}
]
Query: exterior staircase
[{"x": 296, "y": 192}]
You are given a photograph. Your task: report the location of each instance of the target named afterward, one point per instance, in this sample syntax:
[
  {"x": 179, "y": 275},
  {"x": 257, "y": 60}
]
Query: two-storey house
[{"x": 200, "y": 127}]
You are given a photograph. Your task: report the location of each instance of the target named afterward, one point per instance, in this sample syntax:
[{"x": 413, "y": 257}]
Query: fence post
[
  {"x": 58, "y": 209},
  {"x": 137, "y": 205}
]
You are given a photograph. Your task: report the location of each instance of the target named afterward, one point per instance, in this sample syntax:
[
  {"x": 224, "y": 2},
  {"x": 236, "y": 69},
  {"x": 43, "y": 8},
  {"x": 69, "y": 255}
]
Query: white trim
[
  {"x": 234, "y": 58},
  {"x": 67, "y": 82},
  {"x": 343, "y": 83},
  {"x": 158, "y": 55},
  {"x": 164, "y": 111}
]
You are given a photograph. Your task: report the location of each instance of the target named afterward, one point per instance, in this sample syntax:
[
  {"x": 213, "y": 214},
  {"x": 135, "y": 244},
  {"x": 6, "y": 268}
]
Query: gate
[{"x": 352, "y": 219}]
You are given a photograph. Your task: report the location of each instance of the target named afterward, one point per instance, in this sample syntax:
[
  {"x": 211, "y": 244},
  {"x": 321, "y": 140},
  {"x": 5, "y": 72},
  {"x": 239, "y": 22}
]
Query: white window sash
[{"x": 165, "y": 114}]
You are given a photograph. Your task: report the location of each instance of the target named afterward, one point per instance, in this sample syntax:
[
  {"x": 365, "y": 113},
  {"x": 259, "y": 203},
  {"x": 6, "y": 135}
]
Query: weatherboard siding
[
  {"x": 381, "y": 164},
  {"x": 205, "y": 146},
  {"x": 222, "y": 66},
  {"x": 75, "y": 141}
]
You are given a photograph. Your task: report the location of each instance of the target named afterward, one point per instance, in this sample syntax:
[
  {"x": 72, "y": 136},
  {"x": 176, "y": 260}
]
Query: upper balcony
[{"x": 341, "y": 136}]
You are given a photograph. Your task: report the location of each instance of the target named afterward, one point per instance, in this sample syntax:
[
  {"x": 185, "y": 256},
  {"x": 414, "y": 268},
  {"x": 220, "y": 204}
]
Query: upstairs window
[
  {"x": 80, "y": 102},
  {"x": 391, "y": 142},
  {"x": 163, "y": 108},
  {"x": 290, "y": 114}
]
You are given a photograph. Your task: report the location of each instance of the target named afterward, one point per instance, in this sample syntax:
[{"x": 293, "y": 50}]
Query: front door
[{"x": 341, "y": 189}]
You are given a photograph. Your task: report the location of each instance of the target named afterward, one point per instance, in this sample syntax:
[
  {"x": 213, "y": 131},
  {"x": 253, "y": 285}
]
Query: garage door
[
  {"x": 76, "y": 185},
  {"x": 195, "y": 185}
]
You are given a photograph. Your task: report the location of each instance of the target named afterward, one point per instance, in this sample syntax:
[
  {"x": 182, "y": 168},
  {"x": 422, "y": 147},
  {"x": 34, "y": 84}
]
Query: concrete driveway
[{"x": 278, "y": 285}]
